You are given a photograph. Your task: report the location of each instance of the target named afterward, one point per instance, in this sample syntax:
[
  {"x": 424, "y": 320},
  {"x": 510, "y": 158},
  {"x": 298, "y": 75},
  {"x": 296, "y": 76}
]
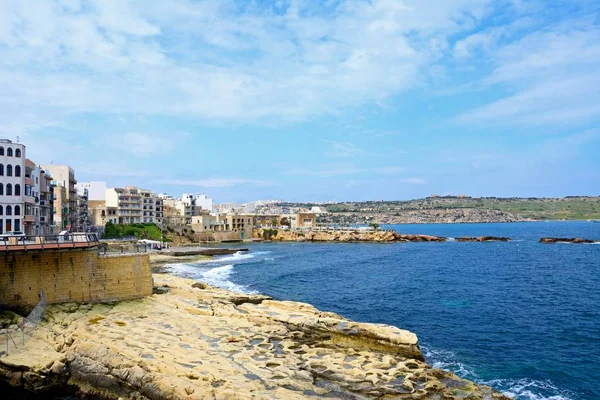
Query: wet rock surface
[
  {"x": 194, "y": 343},
  {"x": 567, "y": 240},
  {"x": 483, "y": 239},
  {"x": 380, "y": 236}
]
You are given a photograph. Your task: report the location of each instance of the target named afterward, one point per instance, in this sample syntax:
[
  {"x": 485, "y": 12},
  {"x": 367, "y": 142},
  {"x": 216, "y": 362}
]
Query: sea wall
[{"x": 72, "y": 276}]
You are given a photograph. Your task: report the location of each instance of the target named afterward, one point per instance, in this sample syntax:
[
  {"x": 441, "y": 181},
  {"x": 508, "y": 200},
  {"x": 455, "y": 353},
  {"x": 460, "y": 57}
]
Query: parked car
[{"x": 18, "y": 234}]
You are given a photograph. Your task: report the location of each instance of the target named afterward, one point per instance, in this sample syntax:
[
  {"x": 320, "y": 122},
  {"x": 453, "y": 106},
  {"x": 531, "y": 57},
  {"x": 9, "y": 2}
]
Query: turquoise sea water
[{"x": 523, "y": 317}]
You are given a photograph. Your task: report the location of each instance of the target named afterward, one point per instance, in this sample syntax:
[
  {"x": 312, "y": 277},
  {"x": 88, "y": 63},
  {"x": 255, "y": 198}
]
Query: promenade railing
[{"x": 48, "y": 242}]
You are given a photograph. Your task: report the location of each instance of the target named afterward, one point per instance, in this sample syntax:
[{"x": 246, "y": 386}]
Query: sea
[{"x": 520, "y": 316}]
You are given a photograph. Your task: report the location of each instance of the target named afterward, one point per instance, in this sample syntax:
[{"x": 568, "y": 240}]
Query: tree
[
  {"x": 374, "y": 225},
  {"x": 284, "y": 222}
]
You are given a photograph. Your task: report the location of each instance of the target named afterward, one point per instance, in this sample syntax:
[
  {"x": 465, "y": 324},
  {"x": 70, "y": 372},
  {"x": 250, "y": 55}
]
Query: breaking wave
[
  {"x": 518, "y": 389},
  {"x": 219, "y": 270}
]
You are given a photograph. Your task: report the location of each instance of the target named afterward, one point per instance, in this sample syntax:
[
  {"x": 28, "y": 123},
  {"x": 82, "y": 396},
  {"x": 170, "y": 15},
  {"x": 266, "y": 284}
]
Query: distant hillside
[{"x": 572, "y": 208}]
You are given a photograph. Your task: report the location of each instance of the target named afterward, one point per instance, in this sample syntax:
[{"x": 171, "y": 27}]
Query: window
[
  {"x": 9, "y": 170},
  {"x": 17, "y": 224},
  {"x": 1, "y": 169},
  {"x": 1, "y": 151},
  {"x": 1, "y": 210},
  {"x": 9, "y": 152},
  {"x": 8, "y": 210},
  {"x": 17, "y": 190},
  {"x": 18, "y": 153},
  {"x": 1, "y": 189},
  {"x": 17, "y": 212},
  {"x": 8, "y": 190},
  {"x": 17, "y": 170}
]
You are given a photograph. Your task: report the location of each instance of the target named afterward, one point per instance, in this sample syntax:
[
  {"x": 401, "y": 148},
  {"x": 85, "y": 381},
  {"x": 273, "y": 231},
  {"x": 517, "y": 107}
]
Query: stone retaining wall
[{"x": 72, "y": 276}]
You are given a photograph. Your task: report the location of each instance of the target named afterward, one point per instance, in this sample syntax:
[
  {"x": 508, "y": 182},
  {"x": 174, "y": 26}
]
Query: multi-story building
[
  {"x": 64, "y": 176},
  {"x": 267, "y": 220},
  {"x": 38, "y": 216},
  {"x": 83, "y": 216},
  {"x": 204, "y": 202},
  {"x": 152, "y": 207},
  {"x": 47, "y": 225},
  {"x": 133, "y": 206},
  {"x": 220, "y": 227},
  {"x": 97, "y": 214},
  {"x": 12, "y": 187},
  {"x": 96, "y": 190},
  {"x": 60, "y": 207},
  {"x": 128, "y": 203}
]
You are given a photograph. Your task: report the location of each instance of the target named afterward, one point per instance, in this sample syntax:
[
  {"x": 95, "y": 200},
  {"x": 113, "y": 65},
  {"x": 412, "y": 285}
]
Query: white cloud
[
  {"x": 218, "y": 60},
  {"x": 550, "y": 76},
  {"x": 344, "y": 150}
]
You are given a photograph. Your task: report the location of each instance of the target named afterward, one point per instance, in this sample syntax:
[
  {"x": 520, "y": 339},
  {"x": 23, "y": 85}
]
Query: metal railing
[
  {"x": 24, "y": 327},
  {"x": 104, "y": 249},
  {"x": 42, "y": 242}
]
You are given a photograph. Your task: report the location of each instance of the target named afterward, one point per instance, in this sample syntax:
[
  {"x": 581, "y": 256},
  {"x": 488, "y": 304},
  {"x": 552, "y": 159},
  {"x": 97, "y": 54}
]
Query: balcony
[
  {"x": 29, "y": 218},
  {"x": 29, "y": 199},
  {"x": 29, "y": 181}
]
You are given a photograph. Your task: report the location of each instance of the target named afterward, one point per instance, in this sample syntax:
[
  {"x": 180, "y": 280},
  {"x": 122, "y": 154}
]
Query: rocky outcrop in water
[
  {"x": 202, "y": 342},
  {"x": 360, "y": 236},
  {"x": 567, "y": 240},
  {"x": 483, "y": 239}
]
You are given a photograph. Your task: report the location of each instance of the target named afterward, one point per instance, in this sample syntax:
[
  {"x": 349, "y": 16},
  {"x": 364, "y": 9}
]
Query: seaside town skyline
[{"x": 311, "y": 101}]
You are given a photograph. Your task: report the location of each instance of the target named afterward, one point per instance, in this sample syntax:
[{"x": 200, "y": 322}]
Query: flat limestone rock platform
[{"x": 203, "y": 342}]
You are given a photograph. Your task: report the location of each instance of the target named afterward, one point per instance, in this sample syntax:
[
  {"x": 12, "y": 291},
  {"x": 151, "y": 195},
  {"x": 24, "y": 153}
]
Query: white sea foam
[
  {"x": 237, "y": 258},
  {"x": 220, "y": 277},
  {"x": 529, "y": 389},
  {"x": 446, "y": 360},
  {"x": 518, "y": 389},
  {"x": 218, "y": 271}
]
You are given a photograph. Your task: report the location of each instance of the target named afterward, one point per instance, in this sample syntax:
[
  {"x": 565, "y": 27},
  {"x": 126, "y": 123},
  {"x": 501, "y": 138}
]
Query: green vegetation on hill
[{"x": 140, "y": 231}]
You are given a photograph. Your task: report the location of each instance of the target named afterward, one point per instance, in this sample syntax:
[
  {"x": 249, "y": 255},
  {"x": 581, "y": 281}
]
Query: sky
[{"x": 330, "y": 100}]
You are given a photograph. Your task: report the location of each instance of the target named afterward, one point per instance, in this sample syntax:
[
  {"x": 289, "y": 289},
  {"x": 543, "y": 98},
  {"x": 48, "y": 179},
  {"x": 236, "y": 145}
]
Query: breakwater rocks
[
  {"x": 359, "y": 236},
  {"x": 567, "y": 240},
  {"x": 203, "y": 342}
]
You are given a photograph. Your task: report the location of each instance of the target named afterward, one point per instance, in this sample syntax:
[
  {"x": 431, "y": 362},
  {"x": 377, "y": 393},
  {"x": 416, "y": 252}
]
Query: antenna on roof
[{"x": 18, "y": 139}]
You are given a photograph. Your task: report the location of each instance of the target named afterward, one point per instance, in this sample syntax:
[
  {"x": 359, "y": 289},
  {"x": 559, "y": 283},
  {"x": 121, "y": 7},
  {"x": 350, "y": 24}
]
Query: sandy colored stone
[{"x": 235, "y": 347}]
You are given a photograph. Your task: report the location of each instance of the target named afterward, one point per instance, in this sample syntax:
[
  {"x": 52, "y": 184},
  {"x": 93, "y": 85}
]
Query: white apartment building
[
  {"x": 12, "y": 187},
  {"x": 134, "y": 206},
  {"x": 128, "y": 203},
  {"x": 96, "y": 190},
  {"x": 152, "y": 211},
  {"x": 38, "y": 215},
  {"x": 65, "y": 176},
  {"x": 204, "y": 202}
]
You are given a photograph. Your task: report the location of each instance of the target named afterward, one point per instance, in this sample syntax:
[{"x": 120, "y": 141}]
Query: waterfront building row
[{"x": 26, "y": 192}]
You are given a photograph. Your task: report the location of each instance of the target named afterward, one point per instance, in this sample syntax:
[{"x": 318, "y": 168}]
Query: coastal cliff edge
[{"x": 193, "y": 341}]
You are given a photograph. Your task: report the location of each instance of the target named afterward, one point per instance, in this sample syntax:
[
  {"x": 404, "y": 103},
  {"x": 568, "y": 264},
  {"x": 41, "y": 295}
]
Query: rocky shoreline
[
  {"x": 194, "y": 341},
  {"x": 352, "y": 236},
  {"x": 568, "y": 240}
]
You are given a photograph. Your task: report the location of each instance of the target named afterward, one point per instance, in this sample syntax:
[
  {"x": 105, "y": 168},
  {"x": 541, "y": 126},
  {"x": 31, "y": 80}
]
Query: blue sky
[{"x": 308, "y": 100}]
